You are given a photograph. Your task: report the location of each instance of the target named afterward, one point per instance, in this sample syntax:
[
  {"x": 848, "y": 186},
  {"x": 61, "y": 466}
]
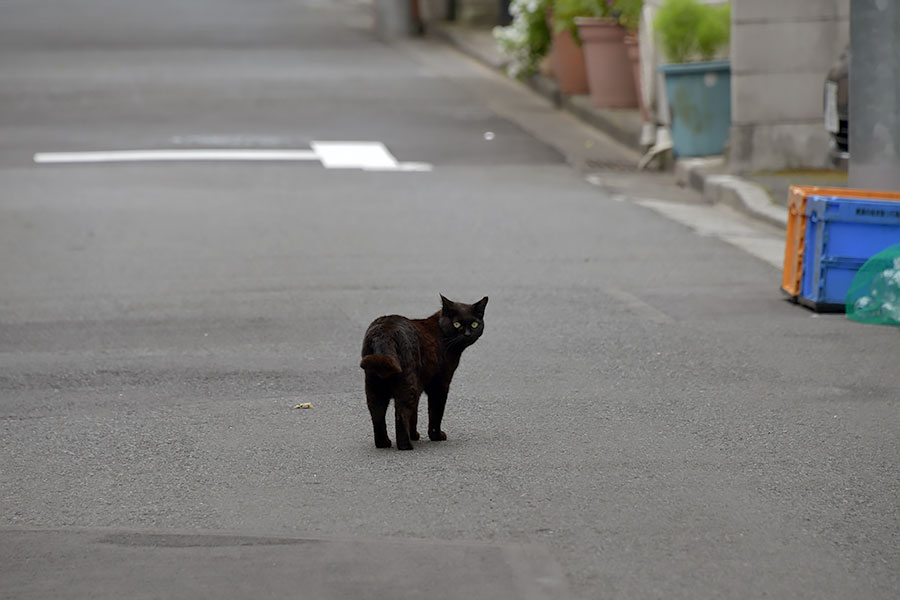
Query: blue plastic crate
[{"x": 841, "y": 234}]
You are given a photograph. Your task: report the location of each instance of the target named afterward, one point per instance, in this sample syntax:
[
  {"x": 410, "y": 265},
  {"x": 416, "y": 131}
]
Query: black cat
[{"x": 404, "y": 357}]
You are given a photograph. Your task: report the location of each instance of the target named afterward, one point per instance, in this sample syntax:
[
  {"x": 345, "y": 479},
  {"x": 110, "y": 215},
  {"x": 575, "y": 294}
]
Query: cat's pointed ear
[
  {"x": 478, "y": 307},
  {"x": 446, "y": 305}
]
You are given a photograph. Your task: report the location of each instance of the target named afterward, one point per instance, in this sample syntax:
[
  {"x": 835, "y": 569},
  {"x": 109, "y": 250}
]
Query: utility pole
[{"x": 875, "y": 94}]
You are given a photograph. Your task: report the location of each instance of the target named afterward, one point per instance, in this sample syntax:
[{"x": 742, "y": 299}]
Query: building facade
[{"x": 781, "y": 51}]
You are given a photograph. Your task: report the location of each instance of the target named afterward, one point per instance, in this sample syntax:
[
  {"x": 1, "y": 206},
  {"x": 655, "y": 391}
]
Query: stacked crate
[{"x": 831, "y": 232}]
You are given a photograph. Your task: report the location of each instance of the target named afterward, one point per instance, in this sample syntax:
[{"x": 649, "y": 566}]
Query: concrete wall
[
  {"x": 484, "y": 12},
  {"x": 471, "y": 12},
  {"x": 476, "y": 12},
  {"x": 781, "y": 51},
  {"x": 875, "y": 90}
]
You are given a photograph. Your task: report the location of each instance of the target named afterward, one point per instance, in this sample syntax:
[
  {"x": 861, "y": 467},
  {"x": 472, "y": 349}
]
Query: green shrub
[
  {"x": 688, "y": 28},
  {"x": 714, "y": 31}
]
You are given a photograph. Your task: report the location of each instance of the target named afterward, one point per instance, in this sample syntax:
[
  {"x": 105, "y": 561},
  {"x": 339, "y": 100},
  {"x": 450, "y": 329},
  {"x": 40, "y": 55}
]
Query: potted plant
[
  {"x": 566, "y": 53},
  {"x": 610, "y": 77},
  {"x": 527, "y": 38},
  {"x": 698, "y": 87},
  {"x": 629, "y": 12}
]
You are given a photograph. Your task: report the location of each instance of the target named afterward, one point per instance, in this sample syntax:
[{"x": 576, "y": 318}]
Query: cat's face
[{"x": 460, "y": 323}]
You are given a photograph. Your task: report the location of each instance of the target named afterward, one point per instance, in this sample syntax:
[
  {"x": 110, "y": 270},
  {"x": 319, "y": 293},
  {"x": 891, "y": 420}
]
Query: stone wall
[{"x": 781, "y": 51}]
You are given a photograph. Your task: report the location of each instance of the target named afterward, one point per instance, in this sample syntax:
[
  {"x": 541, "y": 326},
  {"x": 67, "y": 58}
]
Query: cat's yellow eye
[
  {"x": 474, "y": 324},
  {"x": 457, "y": 324}
]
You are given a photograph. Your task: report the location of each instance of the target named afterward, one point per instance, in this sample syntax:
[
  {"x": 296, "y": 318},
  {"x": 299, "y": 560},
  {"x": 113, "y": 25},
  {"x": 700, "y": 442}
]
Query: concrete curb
[
  {"x": 623, "y": 125},
  {"x": 746, "y": 196},
  {"x": 706, "y": 175}
]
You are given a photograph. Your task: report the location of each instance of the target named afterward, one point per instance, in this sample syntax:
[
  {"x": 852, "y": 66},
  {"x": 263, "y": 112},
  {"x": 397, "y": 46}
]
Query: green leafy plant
[
  {"x": 629, "y": 13},
  {"x": 526, "y": 39},
  {"x": 714, "y": 30},
  {"x": 690, "y": 28},
  {"x": 566, "y": 11},
  {"x": 626, "y": 12}
]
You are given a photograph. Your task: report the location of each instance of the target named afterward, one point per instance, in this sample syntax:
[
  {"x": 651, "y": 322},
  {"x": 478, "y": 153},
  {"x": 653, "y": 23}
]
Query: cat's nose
[{"x": 467, "y": 333}]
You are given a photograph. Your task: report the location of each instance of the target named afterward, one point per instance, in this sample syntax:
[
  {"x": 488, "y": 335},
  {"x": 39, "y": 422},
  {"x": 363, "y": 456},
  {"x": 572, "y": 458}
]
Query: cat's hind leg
[
  {"x": 405, "y": 418},
  {"x": 377, "y": 398}
]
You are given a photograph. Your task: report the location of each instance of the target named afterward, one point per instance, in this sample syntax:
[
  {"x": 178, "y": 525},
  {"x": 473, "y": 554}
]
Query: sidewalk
[{"x": 759, "y": 195}]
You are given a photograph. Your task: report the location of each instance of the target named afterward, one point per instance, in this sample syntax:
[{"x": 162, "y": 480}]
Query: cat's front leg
[
  {"x": 414, "y": 422},
  {"x": 437, "y": 400}
]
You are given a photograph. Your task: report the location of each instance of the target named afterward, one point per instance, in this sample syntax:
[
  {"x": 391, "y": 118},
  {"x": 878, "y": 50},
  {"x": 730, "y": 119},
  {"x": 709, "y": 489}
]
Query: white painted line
[
  {"x": 368, "y": 156},
  {"x": 717, "y": 222},
  {"x": 408, "y": 167},
  {"x": 355, "y": 155},
  {"x": 174, "y": 155},
  {"x": 415, "y": 167}
]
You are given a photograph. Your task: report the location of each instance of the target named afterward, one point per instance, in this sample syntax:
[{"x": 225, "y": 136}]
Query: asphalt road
[{"x": 644, "y": 416}]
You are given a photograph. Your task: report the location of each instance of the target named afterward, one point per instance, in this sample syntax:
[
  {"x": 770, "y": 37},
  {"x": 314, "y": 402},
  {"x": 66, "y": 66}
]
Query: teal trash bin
[{"x": 699, "y": 96}]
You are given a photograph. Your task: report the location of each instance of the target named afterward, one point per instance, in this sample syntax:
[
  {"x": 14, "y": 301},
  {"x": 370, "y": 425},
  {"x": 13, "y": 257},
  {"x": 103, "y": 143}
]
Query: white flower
[{"x": 524, "y": 39}]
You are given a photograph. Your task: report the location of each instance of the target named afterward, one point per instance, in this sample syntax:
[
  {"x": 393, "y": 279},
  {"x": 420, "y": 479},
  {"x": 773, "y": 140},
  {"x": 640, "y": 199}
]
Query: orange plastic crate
[{"x": 796, "y": 227}]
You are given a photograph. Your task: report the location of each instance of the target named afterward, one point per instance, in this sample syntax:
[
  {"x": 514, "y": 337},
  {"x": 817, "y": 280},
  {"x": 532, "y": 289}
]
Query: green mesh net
[{"x": 874, "y": 294}]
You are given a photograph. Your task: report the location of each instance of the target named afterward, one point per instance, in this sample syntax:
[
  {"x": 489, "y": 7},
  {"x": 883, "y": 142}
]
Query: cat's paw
[
  {"x": 436, "y": 435},
  {"x": 414, "y": 436},
  {"x": 406, "y": 446},
  {"x": 383, "y": 442}
]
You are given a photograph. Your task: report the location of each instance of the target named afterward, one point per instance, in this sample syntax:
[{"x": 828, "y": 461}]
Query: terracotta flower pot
[
  {"x": 567, "y": 59},
  {"x": 609, "y": 72}
]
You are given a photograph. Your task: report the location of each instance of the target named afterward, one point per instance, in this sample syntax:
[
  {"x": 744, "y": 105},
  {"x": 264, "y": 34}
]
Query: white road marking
[
  {"x": 415, "y": 166},
  {"x": 355, "y": 155},
  {"x": 404, "y": 166},
  {"x": 715, "y": 222},
  {"x": 368, "y": 156},
  {"x": 173, "y": 155}
]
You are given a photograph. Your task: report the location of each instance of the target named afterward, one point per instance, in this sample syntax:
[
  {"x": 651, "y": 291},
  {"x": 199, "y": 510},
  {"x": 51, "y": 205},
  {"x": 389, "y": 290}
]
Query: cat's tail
[{"x": 380, "y": 365}]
